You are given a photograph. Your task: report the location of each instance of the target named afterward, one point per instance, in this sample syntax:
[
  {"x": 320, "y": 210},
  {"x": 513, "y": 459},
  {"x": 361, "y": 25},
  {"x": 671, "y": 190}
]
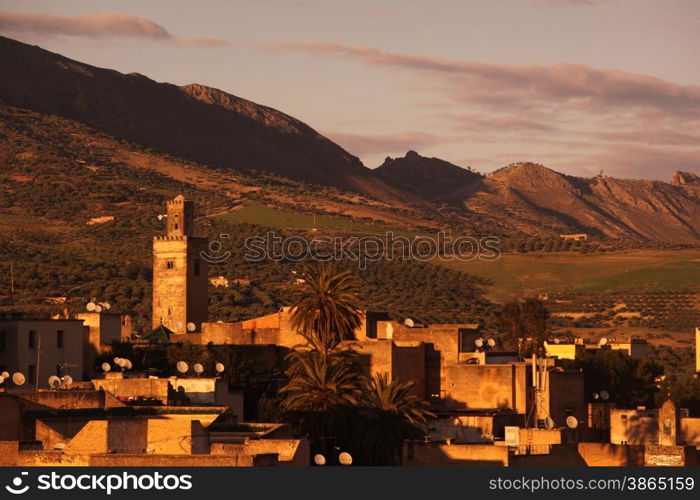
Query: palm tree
[
  {"x": 328, "y": 310},
  {"x": 392, "y": 414},
  {"x": 321, "y": 393}
]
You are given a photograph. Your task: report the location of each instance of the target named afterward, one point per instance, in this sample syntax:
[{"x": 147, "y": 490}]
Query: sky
[{"x": 581, "y": 86}]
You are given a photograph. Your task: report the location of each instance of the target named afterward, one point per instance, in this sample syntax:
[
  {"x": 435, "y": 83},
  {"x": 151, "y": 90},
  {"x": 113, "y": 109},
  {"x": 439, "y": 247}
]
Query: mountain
[
  {"x": 535, "y": 200},
  {"x": 194, "y": 122},
  {"x": 432, "y": 179}
]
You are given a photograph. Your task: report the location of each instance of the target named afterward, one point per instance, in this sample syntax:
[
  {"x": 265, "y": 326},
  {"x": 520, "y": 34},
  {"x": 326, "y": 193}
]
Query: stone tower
[{"x": 180, "y": 274}]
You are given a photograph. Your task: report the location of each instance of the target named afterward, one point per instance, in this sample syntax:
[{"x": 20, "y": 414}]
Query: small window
[
  {"x": 31, "y": 373},
  {"x": 196, "y": 267},
  {"x": 176, "y": 226},
  {"x": 170, "y": 264},
  {"x": 32, "y": 338},
  {"x": 59, "y": 339},
  {"x": 3, "y": 340}
]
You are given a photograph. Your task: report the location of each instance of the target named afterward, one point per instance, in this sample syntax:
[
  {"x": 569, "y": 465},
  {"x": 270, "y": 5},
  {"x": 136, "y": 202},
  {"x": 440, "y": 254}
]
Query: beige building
[
  {"x": 180, "y": 273},
  {"x": 41, "y": 348}
]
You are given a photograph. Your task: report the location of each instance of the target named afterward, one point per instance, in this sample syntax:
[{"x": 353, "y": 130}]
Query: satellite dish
[
  {"x": 2, "y": 379},
  {"x": 122, "y": 362},
  {"x": 67, "y": 380},
  {"x": 219, "y": 367},
  {"x": 54, "y": 382},
  {"x": 319, "y": 459},
  {"x": 479, "y": 342},
  {"x": 182, "y": 367},
  {"x": 549, "y": 423},
  {"x": 59, "y": 447},
  {"x": 345, "y": 458},
  {"x": 116, "y": 361},
  {"x": 106, "y": 306},
  {"x": 106, "y": 367},
  {"x": 191, "y": 327},
  {"x": 91, "y": 306},
  {"x": 596, "y": 395},
  {"x": 198, "y": 368},
  {"x": 604, "y": 395},
  {"x": 491, "y": 342},
  {"x": 161, "y": 216},
  {"x": 571, "y": 422},
  {"x": 18, "y": 378},
  {"x": 5, "y": 375},
  {"x": 128, "y": 364},
  {"x": 603, "y": 341},
  {"x": 409, "y": 322},
  {"x": 556, "y": 340},
  {"x": 98, "y": 308}
]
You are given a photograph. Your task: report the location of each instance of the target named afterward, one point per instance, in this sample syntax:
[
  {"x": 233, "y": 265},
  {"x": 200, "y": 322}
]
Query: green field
[
  {"x": 516, "y": 275},
  {"x": 252, "y": 213}
]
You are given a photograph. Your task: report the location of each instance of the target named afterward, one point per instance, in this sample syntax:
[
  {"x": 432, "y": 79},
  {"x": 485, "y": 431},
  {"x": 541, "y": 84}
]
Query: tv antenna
[
  {"x": 67, "y": 381},
  {"x": 198, "y": 368},
  {"x": 54, "y": 382},
  {"x": 409, "y": 322},
  {"x": 191, "y": 327},
  {"x": 106, "y": 367},
  {"x": 571, "y": 422},
  {"x": 18, "y": 378},
  {"x": 219, "y": 367},
  {"x": 182, "y": 367}
]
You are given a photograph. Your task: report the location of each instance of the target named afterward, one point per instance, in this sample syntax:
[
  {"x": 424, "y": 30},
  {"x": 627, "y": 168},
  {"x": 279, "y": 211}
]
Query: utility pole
[{"x": 38, "y": 363}]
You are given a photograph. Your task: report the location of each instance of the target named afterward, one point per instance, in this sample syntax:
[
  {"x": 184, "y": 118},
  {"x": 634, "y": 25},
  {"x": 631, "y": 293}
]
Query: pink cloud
[{"x": 98, "y": 25}]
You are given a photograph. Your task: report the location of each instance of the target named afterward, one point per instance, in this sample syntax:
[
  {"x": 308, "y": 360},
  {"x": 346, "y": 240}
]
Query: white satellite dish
[
  {"x": 571, "y": 422},
  {"x": 182, "y": 367},
  {"x": 98, "y": 308},
  {"x": 122, "y": 362},
  {"x": 54, "y": 382},
  {"x": 179, "y": 326},
  {"x": 2, "y": 379},
  {"x": 604, "y": 395},
  {"x": 198, "y": 368},
  {"x": 479, "y": 342},
  {"x": 18, "y": 378},
  {"x": 219, "y": 367},
  {"x": 319, "y": 459},
  {"x": 5, "y": 375},
  {"x": 548, "y": 422},
  {"x": 345, "y": 458},
  {"x": 106, "y": 306},
  {"x": 128, "y": 365},
  {"x": 603, "y": 341},
  {"x": 409, "y": 322},
  {"x": 556, "y": 340},
  {"x": 116, "y": 361},
  {"x": 91, "y": 306},
  {"x": 596, "y": 395},
  {"x": 59, "y": 447},
  {"x": 162, "y": 216},
  {"x": 191, "y": 327},
  {"x": 67, "y": 380},
  {"x": 491, "y": 342},
  {"x": 106, "y": 367}
]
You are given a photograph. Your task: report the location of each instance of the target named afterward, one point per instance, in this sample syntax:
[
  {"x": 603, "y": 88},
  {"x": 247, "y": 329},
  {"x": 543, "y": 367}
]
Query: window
[
  {"x": 32, "y": 338},
  {"x": 170, "y": 264},
  {"x": 31, "y": 373},
  {"x": 196, "y": 267},
  {"x": 3, "y": 340},
  {"x": 59, "y": 339},
  {"x": 176, "y": 226}
]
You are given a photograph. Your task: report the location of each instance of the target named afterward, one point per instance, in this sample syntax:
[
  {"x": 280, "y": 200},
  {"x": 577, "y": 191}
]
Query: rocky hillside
[
  {"x": 432, "y": 179},
  {"x": 194, "y": 122}
]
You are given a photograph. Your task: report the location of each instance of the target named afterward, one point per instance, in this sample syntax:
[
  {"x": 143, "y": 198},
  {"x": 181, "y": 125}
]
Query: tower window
[
  {"x": 31, "y": 373},
  {"x": 176, "y": 226},
  {"x": 170, "y": 264},
  {"x": 196, "y": 268},
  {"x": 3, "y": 340},
  {"x": 59, "y": 339},
  {"x": 32, "y": 336}
]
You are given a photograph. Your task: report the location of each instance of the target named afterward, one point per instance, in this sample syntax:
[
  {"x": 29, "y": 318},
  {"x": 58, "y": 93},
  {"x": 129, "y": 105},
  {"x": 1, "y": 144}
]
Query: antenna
[
  {"x": 182, "y": 367},
  {"x": 162, "y": 216},
  {"x": 571, "y": 422},
  {"x": 178, "y": 325},
  {"x": 491, "y": 342},
  {"x": 479, "y": 342},
  {"x": 191, "y": 327},
  {"x": 54, "y": 382},
  {"x": 106, "y": 306},
  {"x": 548, "y": 422},
  {"x": 603, "y": 341},
  {"x": 2, "y": 379},
  {"x": 409, "y": 322},
  {"x": 98, "y": 308},
  {"x": 91, "y": 306},
  {"x": 59, "y": 447},
  {"x": 319, "y": 459},
  {"x": 128, "y": 364},
  {"x": 604, "y": 395},
  {"x": 198, "y": 368},
  {"x": 67, "y": 381},
  {"x": 345, "y": 458},
  {"x": 5, "y": 375},
  {"x": 106, "y": 367},
  {"x": 219, "y": 367},
  {"x": 596, "y": 395},
  {"x": 18, "y": 378}
]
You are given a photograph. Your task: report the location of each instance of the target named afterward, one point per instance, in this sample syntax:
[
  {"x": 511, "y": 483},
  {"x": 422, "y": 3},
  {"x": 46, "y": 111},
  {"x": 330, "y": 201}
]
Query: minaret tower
[{"x": 180, "y": 274}]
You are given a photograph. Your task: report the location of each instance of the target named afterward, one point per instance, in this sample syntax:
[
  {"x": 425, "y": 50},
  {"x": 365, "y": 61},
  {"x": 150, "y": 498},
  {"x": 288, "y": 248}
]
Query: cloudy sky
[{"x": 578, "y": 85}]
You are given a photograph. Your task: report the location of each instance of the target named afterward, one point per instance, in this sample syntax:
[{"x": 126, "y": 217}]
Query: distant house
[
  {"x": 100, "y": 220},
  {"x": 574, "y": 237},
  {"x": 219, "y": 281}
]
